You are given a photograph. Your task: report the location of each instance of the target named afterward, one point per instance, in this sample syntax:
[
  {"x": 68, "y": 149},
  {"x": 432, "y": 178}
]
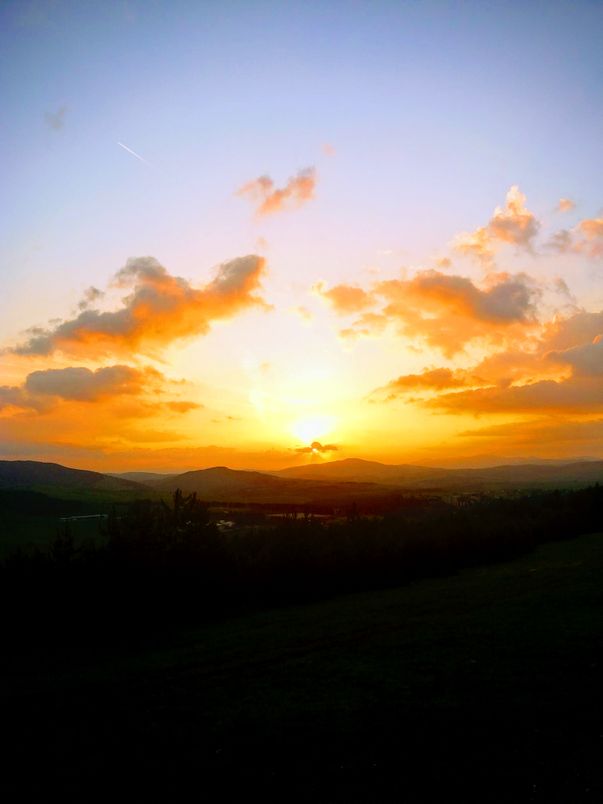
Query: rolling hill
[{"x": 220, "y": 484}]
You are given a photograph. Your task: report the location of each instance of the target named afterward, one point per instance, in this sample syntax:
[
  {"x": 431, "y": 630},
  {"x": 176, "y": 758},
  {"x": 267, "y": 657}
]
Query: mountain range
[{"x": 332, "y": 482}]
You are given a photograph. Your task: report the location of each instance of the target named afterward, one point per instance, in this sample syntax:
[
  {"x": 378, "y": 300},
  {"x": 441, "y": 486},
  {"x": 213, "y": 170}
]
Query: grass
[{"x": 480, "y": 687}]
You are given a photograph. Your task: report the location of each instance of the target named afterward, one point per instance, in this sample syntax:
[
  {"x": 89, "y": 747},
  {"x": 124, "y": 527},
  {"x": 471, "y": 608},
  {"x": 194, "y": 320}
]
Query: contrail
[{"x": 130, "y": 151}]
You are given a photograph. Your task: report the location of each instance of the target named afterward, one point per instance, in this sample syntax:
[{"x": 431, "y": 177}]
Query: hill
[
  {"x": 358, "y": 470},
  {"x": 146, "y": 478},
  {"x": 220, "y": 484},
  {"x": 38, "y": 475}
]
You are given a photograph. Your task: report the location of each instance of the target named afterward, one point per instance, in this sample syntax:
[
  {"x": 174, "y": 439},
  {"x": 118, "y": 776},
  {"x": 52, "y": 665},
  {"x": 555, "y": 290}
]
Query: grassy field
[
  {"x": 481, "y": 687},
  {"x": 23, "y": 526}
]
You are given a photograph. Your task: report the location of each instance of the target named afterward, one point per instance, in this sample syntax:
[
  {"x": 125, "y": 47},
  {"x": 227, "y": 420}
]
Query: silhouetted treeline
[{"x": 166, "y": 564}]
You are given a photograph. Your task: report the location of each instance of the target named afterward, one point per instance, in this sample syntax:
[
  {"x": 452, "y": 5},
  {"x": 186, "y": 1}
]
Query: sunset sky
[{"x": 232, "y": 230}]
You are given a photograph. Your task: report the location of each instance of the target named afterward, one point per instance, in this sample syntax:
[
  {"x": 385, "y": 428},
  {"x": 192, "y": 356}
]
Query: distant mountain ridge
[
  {"x": 357, "y": 469},
  {"x": 146, "y": 478},
  {"x": 333, "y": 482},
  {"x": 416, "y": 477}
]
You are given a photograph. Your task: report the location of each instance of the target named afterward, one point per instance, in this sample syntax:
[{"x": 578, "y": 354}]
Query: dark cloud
[
  {"x": 316, "y": 446},
  {"x": 586, "y": 360},
  {"x": 82, "y": 384},
  {"x": 90, "y": 296}
]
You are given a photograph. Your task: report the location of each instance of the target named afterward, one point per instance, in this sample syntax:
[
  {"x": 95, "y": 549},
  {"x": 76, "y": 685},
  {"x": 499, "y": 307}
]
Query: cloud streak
[
  {"x": 138, "y": 156},
  {"x": 431, "y": 380}
]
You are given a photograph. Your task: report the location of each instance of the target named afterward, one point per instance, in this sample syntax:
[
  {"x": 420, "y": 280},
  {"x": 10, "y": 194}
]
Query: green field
[
  {"x": 485, "y": 686},
  {"x": 23, "y": 526}
]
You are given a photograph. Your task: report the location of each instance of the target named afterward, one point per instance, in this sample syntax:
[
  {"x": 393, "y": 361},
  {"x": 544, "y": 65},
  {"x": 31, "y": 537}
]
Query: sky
[{"x": 260, "y": 234}]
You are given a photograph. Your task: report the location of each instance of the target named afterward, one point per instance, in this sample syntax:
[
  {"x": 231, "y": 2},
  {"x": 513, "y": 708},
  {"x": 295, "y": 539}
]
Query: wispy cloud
[
  {"x": 565, "y": 205},
  {"x": 431, "y": 380},
  {"x": 586, "y": 239},
  {"x": 56, "y": 120},
  {"x": 271, "y": 199}
]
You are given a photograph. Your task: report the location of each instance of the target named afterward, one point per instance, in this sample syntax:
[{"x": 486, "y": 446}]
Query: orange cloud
[
  {"x": 270, "y": 199},
  {"x": 160, "y": 308},
  {"x": 545, "y": 432},
  {"x": 576, "y": 394},
  {"x": 513, "y": 224},
  {"x": 546, "y": 355},
  {"x": 446, "y": 311},
  {"x": 560, "y": 369},
  {"x": 344, "y": 298},
  {"x": 565, "y": 205},
  {"x": 592, "y": 231},
  {"x": 438, "y": 379},
  {"x": 449, "y": 311}
]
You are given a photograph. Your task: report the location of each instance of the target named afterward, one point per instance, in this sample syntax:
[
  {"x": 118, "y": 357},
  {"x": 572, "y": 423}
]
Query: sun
[{"x": 313, "y": 428}]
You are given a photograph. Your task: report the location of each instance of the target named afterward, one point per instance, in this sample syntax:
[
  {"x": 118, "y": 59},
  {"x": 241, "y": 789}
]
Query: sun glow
[{"x": 313, "y": 428}]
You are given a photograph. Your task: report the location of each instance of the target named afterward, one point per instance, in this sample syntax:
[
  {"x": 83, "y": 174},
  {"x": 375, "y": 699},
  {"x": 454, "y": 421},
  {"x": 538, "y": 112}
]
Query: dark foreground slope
[{"x": 480, "y": 687}]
